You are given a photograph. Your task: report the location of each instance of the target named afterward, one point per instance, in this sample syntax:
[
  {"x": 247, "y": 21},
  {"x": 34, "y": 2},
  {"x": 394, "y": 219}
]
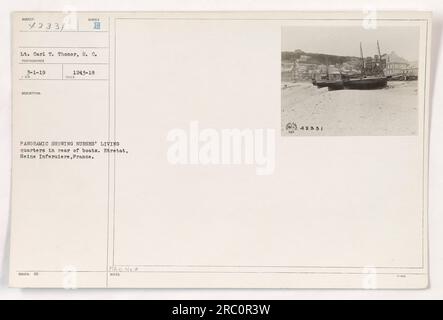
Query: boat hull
[
  {"x": 397, "y": 78},
  {"x": 335, "y": 85},
  {"x": 321, "y": 84},
  {"x": 366, "y": 83}
]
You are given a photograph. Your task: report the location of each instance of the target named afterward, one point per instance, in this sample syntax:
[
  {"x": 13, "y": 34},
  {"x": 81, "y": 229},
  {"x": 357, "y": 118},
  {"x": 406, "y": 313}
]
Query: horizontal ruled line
[
  {"x": 62, "y": 47},
  {"x": 63, "y": 79},
  {"x": 37, "y": 31},
  {"x": 71, "y": 63}
]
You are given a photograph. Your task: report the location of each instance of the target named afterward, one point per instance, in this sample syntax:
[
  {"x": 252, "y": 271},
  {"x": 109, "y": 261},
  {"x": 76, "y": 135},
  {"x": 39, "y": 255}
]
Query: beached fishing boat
[
  {"x": 367, "y": 82},
  {"x": 335, "y": 81},
  {"x": 332, "y": 80},
  {"x": 402, "y": 77},
  {"x": 397, "y": 77},
  {"x": 320, "y": 80}
]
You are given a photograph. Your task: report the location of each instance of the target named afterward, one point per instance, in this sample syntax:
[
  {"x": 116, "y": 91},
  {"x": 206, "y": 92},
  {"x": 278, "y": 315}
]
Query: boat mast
[
  {"x": 379, "y": 55},
  {"x": 327, "y": 68},
  {"x": 379, "y": 52},
  {"x": 362, "y": 60}
]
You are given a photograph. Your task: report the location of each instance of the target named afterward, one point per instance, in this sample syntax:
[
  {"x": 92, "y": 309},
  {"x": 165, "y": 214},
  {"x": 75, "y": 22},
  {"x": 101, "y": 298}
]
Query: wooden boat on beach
[
  {"x": 331, "y": 80},
  {"x": 370, "y": 77},
  {"x": 335, "y": 81},
  {"x": 320, "y": 80},
  {"x": 374, "y": 80}
]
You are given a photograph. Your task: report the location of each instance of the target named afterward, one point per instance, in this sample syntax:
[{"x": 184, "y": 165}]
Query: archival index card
[{"x": 220, "y": 150}]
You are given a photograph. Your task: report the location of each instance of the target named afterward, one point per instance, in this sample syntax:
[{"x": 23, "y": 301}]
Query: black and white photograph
[{"x": 349, "y": 80}]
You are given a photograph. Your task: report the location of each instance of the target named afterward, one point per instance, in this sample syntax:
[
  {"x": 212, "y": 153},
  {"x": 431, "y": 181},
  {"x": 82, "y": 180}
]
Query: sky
[{"x": 345, "y": 41}]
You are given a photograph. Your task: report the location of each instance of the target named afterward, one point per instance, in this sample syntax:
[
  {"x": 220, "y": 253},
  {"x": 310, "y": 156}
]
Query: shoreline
[{"x": 388, "y": 111}]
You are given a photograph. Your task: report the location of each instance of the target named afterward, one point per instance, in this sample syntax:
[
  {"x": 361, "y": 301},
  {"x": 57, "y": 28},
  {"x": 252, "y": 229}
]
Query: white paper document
[{"x": 220, "y": 150}]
